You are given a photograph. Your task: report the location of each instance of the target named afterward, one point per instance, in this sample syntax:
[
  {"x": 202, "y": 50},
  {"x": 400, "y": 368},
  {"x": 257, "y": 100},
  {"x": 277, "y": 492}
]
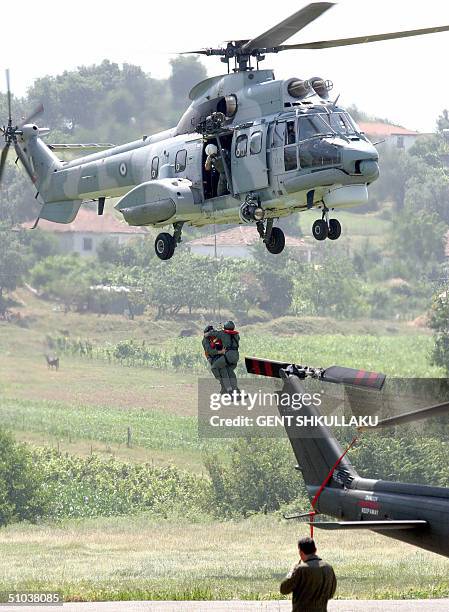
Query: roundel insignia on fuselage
[{"x": 123, "y": 169}]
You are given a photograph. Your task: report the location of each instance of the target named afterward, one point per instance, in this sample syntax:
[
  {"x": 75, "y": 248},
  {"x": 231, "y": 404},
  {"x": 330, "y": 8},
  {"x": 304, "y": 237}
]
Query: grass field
[
  {"x": 88, "y": 406},
  {"x": 137, "y": 559}
]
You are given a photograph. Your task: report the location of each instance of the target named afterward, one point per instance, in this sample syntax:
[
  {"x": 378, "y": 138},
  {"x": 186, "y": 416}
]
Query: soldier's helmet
[
  {"x": 229, "y": 325},
  {"x": 211, "y": 149},
  {"x": 208, "y": 328}
]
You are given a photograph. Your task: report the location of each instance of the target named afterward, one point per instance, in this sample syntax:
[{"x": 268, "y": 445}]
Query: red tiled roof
[
  {"x": 87, "y": 221},
  {"x": 378, "y": 128},
  {"x": 242, "y": 235}
]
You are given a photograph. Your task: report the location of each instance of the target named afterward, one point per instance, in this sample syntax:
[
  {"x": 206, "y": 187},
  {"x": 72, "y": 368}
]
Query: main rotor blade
[
  {"x": 410, "y": 417},
  {"x": 343, "y": 42},
  {"x": 3, "y": 159},
  {"x": 26, "y": 164},
  {"x": 8, "y": 93},
  {"x": 37, "y": 111},
  {"x": 287, "y": 28}
]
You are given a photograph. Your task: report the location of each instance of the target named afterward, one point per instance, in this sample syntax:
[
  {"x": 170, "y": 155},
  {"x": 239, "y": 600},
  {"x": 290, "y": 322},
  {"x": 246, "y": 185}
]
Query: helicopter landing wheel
[
  {"x": 164, "y": 245},
  {"x": 276, "y": 243},
  {"x": 334, "y": 231},
  {"x": 320, "y": 230}
]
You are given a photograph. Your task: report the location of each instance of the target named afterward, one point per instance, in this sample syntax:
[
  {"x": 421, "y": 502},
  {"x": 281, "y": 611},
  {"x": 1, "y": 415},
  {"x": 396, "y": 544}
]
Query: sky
[{"x": 405, "y": 80}]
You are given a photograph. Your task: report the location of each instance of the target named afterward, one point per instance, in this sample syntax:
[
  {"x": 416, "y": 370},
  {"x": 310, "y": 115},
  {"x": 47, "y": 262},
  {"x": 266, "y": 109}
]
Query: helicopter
[
  {"x": 285, "y": 147},
  {"x": 414, "y": 513}
]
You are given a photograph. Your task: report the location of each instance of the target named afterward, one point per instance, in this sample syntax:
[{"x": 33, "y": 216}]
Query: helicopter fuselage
[{"x": 285, "y": 154}]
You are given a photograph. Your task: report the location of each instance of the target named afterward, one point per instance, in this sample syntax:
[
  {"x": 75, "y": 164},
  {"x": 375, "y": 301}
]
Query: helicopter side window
[
  {"x": 155, "y": 167},
  {"x": 290, "y": 133},
  {"x": 181, "y": 160},
  {"x": 290, "y": 158},
  {"x": 255, "y": 146},
  {"x": 241, "y": 145}
]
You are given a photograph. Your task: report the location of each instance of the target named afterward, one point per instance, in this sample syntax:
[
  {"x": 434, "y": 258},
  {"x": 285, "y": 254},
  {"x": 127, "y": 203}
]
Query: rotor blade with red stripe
[
  {"x": 265, "y": 367},
  {"x": 357, "y": 378}
]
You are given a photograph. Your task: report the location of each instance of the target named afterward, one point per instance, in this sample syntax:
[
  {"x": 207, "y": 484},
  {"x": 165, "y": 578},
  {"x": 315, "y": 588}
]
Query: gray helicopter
[{"x": 249, "y": 149}]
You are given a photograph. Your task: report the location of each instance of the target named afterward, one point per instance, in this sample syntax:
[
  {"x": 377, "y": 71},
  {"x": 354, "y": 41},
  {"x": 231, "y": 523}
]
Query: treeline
[
  {"x": 257, "y": 475},
  {"x": 251, "y": 289}
]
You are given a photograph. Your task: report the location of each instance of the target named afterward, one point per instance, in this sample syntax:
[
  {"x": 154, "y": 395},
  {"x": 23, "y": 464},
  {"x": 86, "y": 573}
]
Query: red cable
[{"x": 324, "y": 483}]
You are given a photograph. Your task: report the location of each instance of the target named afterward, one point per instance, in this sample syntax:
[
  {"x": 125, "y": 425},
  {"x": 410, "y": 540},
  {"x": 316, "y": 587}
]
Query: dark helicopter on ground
[
  {"x": 284, "y": 147},
  {"x": 414, "y": 513}
]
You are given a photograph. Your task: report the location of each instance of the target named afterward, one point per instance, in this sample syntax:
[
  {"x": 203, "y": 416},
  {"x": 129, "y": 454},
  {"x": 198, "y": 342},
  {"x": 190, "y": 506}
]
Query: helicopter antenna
[{"x": 272, "y": 40}]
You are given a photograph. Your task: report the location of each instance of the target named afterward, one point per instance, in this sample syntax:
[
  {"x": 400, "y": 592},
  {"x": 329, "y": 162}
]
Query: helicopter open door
[{"x": 249, "y": 158}]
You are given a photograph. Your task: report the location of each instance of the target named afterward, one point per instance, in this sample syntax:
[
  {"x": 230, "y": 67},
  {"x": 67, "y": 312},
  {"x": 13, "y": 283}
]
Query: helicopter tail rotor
[{"x": 11, "y": 133}]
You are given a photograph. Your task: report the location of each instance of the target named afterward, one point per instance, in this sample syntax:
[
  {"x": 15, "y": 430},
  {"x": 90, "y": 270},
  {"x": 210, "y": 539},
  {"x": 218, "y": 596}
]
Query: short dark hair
[{"x": 307, "y": 546}]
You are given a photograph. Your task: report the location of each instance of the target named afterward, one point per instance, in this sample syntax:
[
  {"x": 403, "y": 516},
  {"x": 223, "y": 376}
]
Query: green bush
[
  {"x": 91, "y": 486},
  {"x": 260, "y": 477},
  {"x": 23, "y": 494}
]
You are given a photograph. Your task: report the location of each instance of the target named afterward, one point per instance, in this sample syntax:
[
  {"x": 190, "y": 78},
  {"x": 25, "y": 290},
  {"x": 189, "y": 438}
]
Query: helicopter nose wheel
[
  {"x": 334, "y": 229},
  {"x": 320, "y": 230},
  {"x": 326, "y": 228}
]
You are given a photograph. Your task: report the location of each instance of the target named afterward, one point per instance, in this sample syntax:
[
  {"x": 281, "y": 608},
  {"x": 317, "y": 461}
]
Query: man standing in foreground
[{"x": 312, "y": 581}]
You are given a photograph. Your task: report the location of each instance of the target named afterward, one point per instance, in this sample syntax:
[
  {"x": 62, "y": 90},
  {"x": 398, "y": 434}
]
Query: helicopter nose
[{"x": 361, "y": 159}]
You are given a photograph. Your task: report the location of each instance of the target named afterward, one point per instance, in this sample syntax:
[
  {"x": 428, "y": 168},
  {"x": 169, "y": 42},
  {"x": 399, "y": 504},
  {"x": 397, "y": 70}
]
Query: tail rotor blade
[
  {"x": 356, "y": 378},
  {"x": 37, "y": 111},
  {"x": 3, "y": 159},
  {"x": 26, "y": 164}
]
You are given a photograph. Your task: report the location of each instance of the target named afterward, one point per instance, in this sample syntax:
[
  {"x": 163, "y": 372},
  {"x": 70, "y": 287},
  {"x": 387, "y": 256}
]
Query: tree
[
  {"x": 443, "y": 121},
  {"x": 329, "y": 289},
  {"x": 12, "y": 261},
  {"x": 258, "y": 477},
  {"x": 186, "y": 72},
  {"x": 439, "y": 322},
  {"x": 22, "y": 493}
]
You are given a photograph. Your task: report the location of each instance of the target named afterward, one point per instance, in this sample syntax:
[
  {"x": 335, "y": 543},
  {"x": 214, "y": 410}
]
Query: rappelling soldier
[
  {"x": 228, "y": 358},
  {"x": 213, "y": 350}
]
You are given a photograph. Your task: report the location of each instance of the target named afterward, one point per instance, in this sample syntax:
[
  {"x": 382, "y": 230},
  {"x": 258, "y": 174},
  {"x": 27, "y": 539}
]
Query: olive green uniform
[
  {"x": 225, "y": 364},
  {"x": 213, "y": 356},
  {"x": 312, "y": 583}
]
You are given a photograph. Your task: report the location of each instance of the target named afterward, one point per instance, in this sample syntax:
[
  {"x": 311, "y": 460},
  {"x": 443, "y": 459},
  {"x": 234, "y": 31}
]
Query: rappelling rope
[{"x": 314, "y": 501}]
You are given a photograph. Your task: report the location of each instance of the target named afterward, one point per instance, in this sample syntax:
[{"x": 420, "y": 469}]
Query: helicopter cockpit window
[
  {"x": 241, "y": 145},
  {"x": 181, "y": 161},
  {"x": 310, "y": 126},
  {"x": 341, "y": 124},
  {"x": 255, "y": 145},
  {"x": 318, "y": 152},
  {"x": 154, "y": 167}
]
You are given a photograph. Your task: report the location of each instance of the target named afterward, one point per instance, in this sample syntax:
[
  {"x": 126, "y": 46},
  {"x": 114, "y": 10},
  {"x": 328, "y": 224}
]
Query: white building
[
  {"x": 236, "y": 242},
  {"x": 393, "y": 135},
  {"x": 88, "y": 230}
]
